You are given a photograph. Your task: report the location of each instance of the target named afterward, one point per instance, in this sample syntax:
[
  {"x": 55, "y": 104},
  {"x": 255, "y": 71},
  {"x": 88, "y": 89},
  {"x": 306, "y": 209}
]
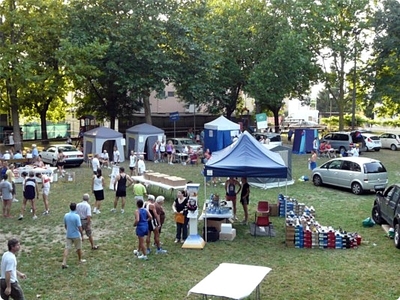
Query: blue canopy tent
[
  {"x": 218, "y": 133},
  {"x": 245, "y": 158}
]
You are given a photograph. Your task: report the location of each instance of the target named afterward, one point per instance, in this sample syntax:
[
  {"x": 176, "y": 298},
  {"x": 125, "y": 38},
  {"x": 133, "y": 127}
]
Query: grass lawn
[{"x": 113, "y": 272}]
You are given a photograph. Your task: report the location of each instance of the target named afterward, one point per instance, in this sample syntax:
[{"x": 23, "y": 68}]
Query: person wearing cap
[
  {"x": 74, "y": 235},
  {"x": 35, "y": 152},
  {"x": 7, "y": 155},
  {"x": 153, "y": 226},
  {"x": 84, "y": 211}
]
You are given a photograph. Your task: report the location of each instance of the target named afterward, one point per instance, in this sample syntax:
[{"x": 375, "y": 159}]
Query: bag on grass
[{"x": 368, "y": 222}]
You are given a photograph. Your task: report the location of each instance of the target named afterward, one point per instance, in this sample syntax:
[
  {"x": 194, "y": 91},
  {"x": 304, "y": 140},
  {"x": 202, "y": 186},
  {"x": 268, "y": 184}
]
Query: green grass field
[{"x": 113, "y": 272}]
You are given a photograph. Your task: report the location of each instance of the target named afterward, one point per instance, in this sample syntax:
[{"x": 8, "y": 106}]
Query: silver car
[
  {"x": 72, "y": 156},
  {"x": 390, "y": 140},
  {"x": 181, "y": 143},
  {"x": 356, "y": 173}
]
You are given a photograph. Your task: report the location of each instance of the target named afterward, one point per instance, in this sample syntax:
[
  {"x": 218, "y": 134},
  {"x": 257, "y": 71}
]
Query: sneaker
[
  {"x": 148, "y": 251},
  {"x": 82, "y": 261},
  {"x": 161, "y": 251},
  {"x": 64, "y": 267},
  {"x": 122, "y": 211},
  {"x": 20, "y": 217},
  {"x": 46, "y": 212},
  {"x": 98, "y": 212},
  {"x": 34, "y": 217},
  {"x": 144, "y": 257},
  {"x": 31, "y": 210},
  {"x": 95, "y": 210},
  {"x": 15, "y": 200},
  {"x": 176, "y": 241},
  {"x": 135, "y": 252},
  {"x": 156, "y": 161},
  {"x": 183, "y": 241},
  {"x": 113, "y": 210},
  {"x": 235, "y": 218}
]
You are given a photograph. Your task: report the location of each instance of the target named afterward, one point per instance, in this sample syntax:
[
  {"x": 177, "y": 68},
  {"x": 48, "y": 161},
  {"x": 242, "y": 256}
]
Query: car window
[
  {"x": 346, "y": 165},
  {"x": 186, "y": 142},
  {"x": 335, "y": 165},
  {"x": 355, "y": 167},
  {"x": 328, "y": 137},
  {"x": 389, "y": 192},
  {"x": 52, "y": 149},
  {"x": 67, "y": 148},
  {"x": 342, "y": 137},
  {"x": 374, "y": 167},
  {"x": 383, "y": 136},
  {"x": 394, "y": 198}
]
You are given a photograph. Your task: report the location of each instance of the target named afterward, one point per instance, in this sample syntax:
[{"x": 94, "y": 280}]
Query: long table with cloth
[
  {"x": 49, "y": 171},
  {"x": 160, "y": 185},
  {"x": 241, "y": 281}
]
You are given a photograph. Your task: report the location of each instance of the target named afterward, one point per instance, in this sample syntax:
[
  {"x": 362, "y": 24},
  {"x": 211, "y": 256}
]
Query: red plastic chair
[{"x": 261, "y": 217}]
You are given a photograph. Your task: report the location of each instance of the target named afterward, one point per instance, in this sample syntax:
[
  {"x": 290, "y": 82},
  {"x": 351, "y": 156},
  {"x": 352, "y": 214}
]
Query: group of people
[{"x": 164, "y": 149}]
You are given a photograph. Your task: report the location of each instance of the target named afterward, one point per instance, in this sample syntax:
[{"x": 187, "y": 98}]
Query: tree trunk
[
  {"x": 43, "y": 119},
  {"x": 112, "y": 122},
  {"x": 16, "y": 127},
  {"x": 147, "y": 107},
  {"x": 276, "y": 119}
]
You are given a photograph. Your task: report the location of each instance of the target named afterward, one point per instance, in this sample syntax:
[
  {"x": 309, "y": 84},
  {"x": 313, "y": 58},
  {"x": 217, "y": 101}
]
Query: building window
[{"x": 170, "y": 94}]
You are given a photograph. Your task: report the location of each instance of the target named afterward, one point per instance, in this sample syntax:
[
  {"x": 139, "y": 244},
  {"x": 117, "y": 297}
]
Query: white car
[
  {"x": 181, "y": 143},
  {"x": 73, "y": 157},
  {"x": 372, "y": 141},
  {"x": 390, "y": 140}
]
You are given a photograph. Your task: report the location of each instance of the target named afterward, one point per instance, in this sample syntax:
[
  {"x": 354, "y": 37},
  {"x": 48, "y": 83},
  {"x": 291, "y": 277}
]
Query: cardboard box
[
  {"x": 151, "y": 176},
  {"x": 217, "y": 223},
  {"x": 227, "y": 236},
  {"x": 159, "y": 177},
  {"x": 273, "y": 210},
  {"x": 175, "y": 181}
]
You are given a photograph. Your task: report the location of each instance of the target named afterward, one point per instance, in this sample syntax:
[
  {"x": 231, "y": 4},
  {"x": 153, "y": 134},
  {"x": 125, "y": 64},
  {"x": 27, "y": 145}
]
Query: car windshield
[
  {"x": 187, "y": 142},
  {"x": 67, "y": 148},
  {"x": 374, "y": 167}
]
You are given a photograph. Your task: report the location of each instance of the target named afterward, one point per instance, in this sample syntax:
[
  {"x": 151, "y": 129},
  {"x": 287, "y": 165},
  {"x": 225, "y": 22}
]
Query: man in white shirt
[
  {"x": 85, "y": 213},
  {"x": 7, "y": 155},
  {"x": 141, "y": 166},
  {"x": 105, "y": 159},
  {"x": 116, "y": 156},
  {"x": 95, "y": 163}
]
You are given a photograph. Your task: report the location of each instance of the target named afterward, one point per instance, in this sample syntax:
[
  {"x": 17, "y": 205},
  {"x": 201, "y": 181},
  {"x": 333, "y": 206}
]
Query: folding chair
[{"x": 261, "y": 217}]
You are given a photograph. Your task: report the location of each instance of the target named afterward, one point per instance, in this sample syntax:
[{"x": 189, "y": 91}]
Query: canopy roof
[
  {"x": 222, "y": 123},
  {"x": 103, "y": 132},
  {"x": 145, "y": 129},
  {"x": 246, "y": 158}
]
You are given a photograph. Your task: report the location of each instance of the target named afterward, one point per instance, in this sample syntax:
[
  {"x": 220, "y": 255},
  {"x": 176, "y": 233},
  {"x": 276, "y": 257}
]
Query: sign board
[
  {"x": 261, "y": 120},
  {"x": 174, "y": 116}
]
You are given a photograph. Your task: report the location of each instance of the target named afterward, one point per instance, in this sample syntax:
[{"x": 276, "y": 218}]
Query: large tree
[{"x": 122, "y": 56}]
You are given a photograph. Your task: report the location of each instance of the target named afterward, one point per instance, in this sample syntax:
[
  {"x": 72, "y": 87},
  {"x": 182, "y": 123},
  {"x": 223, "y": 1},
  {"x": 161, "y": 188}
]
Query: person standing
[
  {"x": 142, "y": 217},
  {"x": 74, "y": 236},
  {"x": 156, "y": 150},
  {"x": 31, "y": 192},
  {"x": 312, "y": 161},
  {"x": 60, "y": 162},
  {"x": 290, "y": 135},
  {"x": 120, "y": 186},
  {"x": 35, "y": 151},
  {"x": 116, "y": 156},
  {"x": 139, "y": 191},
  {"x": 141, "y": 165},
  {"x": 169, "y": 149},
  {"x": 132, "y": 163},
  {"x": 11, "y": 179},
  {"x": 245, "y": 199},
  {"x": 153, "y": 225},
  {"x": 162, "y": 150},
  {"x": 95, "y": 164},
  {"x": 160, "y": 210},
  {"x": 45, "y": 191},
  {"x": 85, "y": 213},
  {"x": 6, "y": 193},
  {"x": 179, "y": 207},
  {"x": 98, "y": 190},
  {"x": 231, "y": 192},
  {"x": 9, "y": 274}
]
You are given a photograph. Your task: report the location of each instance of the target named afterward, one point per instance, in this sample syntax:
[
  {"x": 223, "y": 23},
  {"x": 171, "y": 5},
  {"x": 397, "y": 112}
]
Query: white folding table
[{"x": 240, "y": 281}]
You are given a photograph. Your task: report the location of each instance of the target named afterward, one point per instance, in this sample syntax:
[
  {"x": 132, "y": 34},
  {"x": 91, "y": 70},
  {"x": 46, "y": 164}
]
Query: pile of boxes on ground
[
  {"x": 217, "y": 229},
  {"x": 303, "y": 231},
  {"x": 165, "y": 179}
]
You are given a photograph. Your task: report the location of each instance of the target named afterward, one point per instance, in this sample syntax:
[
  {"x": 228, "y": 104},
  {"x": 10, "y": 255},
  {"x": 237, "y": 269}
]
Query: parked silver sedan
[{"x": 356, "y": 173}]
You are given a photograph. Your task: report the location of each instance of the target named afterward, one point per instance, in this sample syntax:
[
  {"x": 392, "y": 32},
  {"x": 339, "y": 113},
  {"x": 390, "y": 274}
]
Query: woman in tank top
[{"x": 98, "y": 190}]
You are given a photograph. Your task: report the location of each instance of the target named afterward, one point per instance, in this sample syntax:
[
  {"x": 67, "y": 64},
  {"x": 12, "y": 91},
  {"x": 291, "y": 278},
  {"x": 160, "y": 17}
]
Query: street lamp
[{"x": 356, "y": 32}]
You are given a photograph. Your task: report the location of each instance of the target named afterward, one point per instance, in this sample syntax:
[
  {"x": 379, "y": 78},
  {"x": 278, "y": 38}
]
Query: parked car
[
  {"x": 73, "y": 157},
  {"x": 341, "y": 141},
  {"x": 181, "y": 143},
  {"x": 356, "y": 173},
  {"x": 386, "y": 210},
  {"x": 275, "y": 139},
  {"x": 372, "y": 142},
  {"x": 390, "y": 140}
]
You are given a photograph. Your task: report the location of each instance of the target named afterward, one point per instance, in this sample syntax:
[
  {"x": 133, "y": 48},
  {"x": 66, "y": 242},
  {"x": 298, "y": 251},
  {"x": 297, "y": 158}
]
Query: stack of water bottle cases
[{"x": 303, "y": 231}]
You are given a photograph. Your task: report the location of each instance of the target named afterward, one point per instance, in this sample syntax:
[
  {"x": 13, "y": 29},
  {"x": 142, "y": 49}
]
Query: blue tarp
[{"x": 246, "y": 158}]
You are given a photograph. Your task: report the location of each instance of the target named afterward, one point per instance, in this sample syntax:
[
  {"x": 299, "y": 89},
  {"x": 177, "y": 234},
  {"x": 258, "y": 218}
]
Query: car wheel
[
  {"x": 356, "y": 188},
  {"x": 397, "y": 236},
  {"x": 317, "y": 180},
  {"x": 376, "y": 215},
  {"x": 377, "y": 150},
  {"x": 393, "y": 147},
  {"x": 54, "y": 163}
]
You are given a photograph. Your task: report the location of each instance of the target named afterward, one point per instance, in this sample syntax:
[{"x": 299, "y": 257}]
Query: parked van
[{"x": 341, "y": 141}]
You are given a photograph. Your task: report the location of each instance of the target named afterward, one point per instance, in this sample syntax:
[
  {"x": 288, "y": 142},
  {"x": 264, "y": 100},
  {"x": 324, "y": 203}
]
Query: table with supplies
[{"x": 49, "y": 171}]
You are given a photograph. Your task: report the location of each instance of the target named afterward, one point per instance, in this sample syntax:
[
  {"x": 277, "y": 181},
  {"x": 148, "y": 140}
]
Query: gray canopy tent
[{"x": 141, "y": 138}]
